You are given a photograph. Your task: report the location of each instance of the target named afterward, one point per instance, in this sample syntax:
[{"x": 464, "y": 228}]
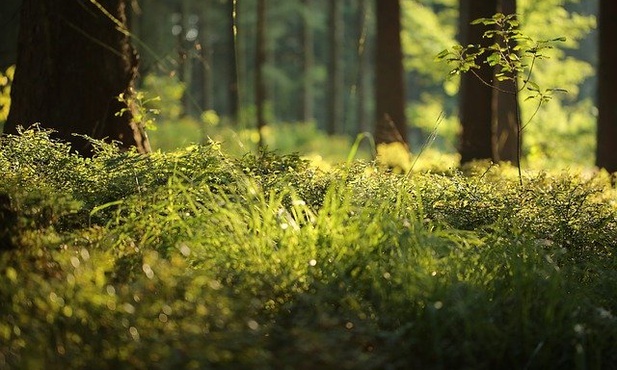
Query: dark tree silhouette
[
  {"x": 335, "y": 67},
  {"x": 260, "y": 61},
  {"x": 74, "y": 60},
  {"x": 391, "y": 125},
  {"x": 475, "y": 96},
  {"x": 9, "y": 25},
  {"x": 505, "y": 106},
  {"x": 606, "y": 155},
  {"x": 308, "y": 63}
]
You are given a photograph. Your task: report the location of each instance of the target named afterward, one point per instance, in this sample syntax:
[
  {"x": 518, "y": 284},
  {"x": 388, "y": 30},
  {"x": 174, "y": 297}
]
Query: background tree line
[{"x": 315, "y": 61}]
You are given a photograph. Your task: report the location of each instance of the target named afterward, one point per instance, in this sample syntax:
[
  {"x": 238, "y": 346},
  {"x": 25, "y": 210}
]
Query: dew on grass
[
  {"x": 167, "y": 310},
  {"x": 185, "y": 250},
  {"x": 134, "y": 333},
  {"x": 148, "y": 271},
  {"x": 129, "y": 308}
]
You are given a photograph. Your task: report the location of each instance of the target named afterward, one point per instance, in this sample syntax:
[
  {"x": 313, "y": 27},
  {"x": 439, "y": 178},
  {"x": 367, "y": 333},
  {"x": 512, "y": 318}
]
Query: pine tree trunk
[
  {"x": 475, "y": 96},
  {"x": 233, "y": 92},
  {"x": 308, "y": 63},
  {"x": 505, "y": 107},
  {"x": 335, "y": 68},
  {"x": 71, "y": 80},
  {"x": 206, "y": 56},
  {"x": 391, "y": 123},
  {"x": 260, "y": 61},
  {"x": 606, "y": 155},
  {"x": 9, "y": 26}
]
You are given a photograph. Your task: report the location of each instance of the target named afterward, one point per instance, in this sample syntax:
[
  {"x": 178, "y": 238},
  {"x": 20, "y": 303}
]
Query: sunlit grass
[{"x": 197, "y": 259}]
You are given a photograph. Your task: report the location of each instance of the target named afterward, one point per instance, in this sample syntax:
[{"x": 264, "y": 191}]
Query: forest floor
[{"x": 195, "y": 259}]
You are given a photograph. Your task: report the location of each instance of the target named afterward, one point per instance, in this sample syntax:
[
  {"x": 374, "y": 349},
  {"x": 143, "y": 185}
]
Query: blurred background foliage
[{"x": 203, "y": 73}]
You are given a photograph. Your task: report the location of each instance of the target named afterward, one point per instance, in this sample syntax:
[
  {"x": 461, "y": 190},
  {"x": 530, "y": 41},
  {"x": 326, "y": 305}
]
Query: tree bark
[
  {"x": 606, "y": 155},
  {"x": 308, "y": 63},
  {"x": 9, "y": 26},
  {"x": 260, "y": 61},
  {"x": 74, "y": 59},
  {"x": 475, "y": 96},
  {"x": 233, "y": 92},
  {"x": 505, "y": 107},
  {"x": 391, "y": 125},
  {"x": 363, "y": 62},
  {"x": 205, "y": 56},
  {"x": 335, "y": 68}
]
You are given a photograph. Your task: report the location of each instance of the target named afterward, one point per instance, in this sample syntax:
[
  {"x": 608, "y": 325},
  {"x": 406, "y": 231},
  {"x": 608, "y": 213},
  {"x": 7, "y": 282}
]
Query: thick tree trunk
[
  {"x": 606, "y": 154},
  {"x": 74, "y": 59},
  {"x": 9, "y": 26},
  {"x": 505, "y": 107},
  {"x": 391, "y": 123},
  {"x": 475, "y": 95}
]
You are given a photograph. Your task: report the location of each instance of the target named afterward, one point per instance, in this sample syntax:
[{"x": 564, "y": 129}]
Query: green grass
[{"x": 196, "y": 259}]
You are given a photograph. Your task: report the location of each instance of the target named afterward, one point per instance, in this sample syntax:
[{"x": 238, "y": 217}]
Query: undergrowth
[{"x": 194, "y": 259}]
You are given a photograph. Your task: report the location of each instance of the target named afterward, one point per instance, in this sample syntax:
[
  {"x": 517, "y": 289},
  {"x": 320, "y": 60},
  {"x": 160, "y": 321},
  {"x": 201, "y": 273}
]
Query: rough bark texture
[
  {"x": 505, "y": 107},
  {"x": 606, "y": 154},
  {"x": 391, "y": 123},
  {"x": 73, "y": 62},
  {"x": 475, "y": 95}
]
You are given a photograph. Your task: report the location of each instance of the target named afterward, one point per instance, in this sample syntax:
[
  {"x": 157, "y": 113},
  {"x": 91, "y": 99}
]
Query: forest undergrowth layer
[{"x": 195, "y": 259}]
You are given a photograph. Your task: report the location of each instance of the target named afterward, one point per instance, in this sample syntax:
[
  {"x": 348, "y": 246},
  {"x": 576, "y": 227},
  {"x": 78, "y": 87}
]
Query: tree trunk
[
  {"x": 70, "y": 81},
  {"x": 391, "y": 123},
  {"x": 232, "y": 44},
  {"x": 205, "y": 56},
  {"x": 606, "y": 155},
  {"x": 363, "y": 62},
  {"x": 505, "y": 107},
  {"x": 475, "y": 95},
  {"x": 335, "y": 68},
  {"x": 260, "y": 61},
  {"x": 9, "y": 26},
  {"x": 308, "y": 63}
]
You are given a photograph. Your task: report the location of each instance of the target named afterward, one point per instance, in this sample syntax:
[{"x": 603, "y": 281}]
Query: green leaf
[
  {"x": 442, "y": 54},
  {"x": 481, "y": 21}
]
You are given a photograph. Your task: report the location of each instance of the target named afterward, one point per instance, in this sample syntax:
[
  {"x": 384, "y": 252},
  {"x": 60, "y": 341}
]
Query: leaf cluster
[{"x": 509, "y": 49}]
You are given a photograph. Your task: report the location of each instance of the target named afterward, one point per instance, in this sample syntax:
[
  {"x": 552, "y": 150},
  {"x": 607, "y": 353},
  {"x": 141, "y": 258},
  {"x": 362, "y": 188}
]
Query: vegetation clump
[{"x": 194, "y": 259}]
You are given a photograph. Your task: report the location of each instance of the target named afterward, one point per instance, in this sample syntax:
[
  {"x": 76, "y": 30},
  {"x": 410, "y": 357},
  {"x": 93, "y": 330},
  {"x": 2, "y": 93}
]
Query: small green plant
[
  {"x": 140, "y": 105},
  {"x": 514, "y": 55}
]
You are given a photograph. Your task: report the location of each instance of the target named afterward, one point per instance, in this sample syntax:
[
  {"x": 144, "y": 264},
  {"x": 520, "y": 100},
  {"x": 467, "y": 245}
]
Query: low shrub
[{"x": 194, "y": 259}]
